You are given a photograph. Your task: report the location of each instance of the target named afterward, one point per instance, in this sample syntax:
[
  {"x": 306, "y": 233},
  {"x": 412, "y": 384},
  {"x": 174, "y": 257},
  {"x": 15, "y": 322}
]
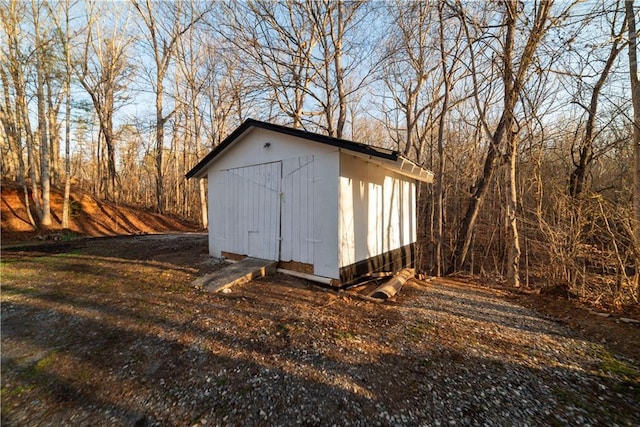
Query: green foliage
[
  {"x": 68, "y": 236},
  {"x": 343, "y": 335},
  {"x": 20, "y": 291},
  {"x": 42, "y": 364},
  {"x": 75, "y": 208},
  {"x": 618, "y": 368},
  {"x": 614, "y": 367},
  {"x": 417, "y": 331},
  {"x": 17, "y": 391},
  {"x": 288, "y": 329}
]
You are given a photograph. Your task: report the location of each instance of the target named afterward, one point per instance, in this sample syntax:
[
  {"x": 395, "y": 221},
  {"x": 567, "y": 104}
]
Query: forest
[{"x": 528, "y": 113}]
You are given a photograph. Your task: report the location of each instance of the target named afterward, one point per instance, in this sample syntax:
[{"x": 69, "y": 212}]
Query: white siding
[
  {"x": 377, "y": 210},
  {"x": 247, "y": 210},
  {"x": 299, "y": 234},
  {"x": 308, "y": 199}
]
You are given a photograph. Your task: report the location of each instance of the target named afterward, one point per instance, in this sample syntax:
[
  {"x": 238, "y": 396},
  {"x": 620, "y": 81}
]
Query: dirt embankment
[{"x": 89, "y": 217}]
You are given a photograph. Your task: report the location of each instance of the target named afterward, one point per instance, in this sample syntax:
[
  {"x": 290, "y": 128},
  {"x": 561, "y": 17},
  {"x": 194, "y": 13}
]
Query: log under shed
[{"x": 326, "y": 209}]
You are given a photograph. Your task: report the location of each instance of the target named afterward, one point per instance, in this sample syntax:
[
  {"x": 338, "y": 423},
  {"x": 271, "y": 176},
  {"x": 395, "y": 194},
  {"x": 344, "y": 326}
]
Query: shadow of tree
[{"x": 127, "y": 344}]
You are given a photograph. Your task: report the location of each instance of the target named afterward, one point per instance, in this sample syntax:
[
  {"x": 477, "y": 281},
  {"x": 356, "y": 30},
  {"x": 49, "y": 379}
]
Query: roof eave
[
  {"x": 401, "y": 165},
  {"x": 200, "y": 169},
  {"x": 409, "y": 168},
  {"x": 387, "y": 158}
]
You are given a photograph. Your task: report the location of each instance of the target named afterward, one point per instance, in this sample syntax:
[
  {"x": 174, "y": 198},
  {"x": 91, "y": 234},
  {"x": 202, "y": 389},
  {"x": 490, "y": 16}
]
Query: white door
[
  {"x": 253, "y": 211},
  {"x": 299, "y": 210}
]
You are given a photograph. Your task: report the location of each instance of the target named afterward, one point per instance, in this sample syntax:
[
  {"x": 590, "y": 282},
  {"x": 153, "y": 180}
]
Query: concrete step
[{"x": 234, "y": 274}]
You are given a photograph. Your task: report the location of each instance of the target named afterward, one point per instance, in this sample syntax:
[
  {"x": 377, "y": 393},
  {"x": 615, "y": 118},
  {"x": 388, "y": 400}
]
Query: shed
[{"x": 326, "y": 209}]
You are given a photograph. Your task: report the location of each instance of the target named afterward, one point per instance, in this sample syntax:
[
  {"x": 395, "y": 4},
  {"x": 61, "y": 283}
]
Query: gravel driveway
[{"x": 91, "y": 344}]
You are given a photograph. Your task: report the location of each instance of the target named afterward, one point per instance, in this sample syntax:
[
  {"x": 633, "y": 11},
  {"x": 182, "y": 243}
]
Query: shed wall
[
  {"x": 377, "y": 211},
  {"x": 308, "y": 199},
  {"x": 252, "y": 206}
]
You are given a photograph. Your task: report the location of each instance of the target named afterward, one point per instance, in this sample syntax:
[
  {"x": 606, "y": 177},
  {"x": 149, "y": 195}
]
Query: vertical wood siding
[
  {"x": 299, "y": 210},
  {"x": 377, "y": 211},
  {"x": 247, "y": 209}
]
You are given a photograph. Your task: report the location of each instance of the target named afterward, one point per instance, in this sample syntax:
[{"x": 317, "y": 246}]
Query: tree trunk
[
  {"x": 45, "y": 212},
  {"x": 481, "y": 188},
  {"x": 511, "y": 195},
  {"x": 29, "y": 139},
  {"x": 67, "y": 128},
  {"x": 513, "y": 240},
  {"x": 23, "y": 113},
  {"x": 577, "y": 179},
  {"x": 111, "y": 189},
  {"x": 203, "y": 203},
  {"x": 635, "y": 97},
  {"x": 439, "y": 208},
  {"x": 513, "y": 83},
  {"x": 337, "y": 58},
  {"x": 159, "y": 146},
  {"x": 14, "y": 137},
  {"x": 54, "y": 133},
  {"x": 98, "y": 164}
]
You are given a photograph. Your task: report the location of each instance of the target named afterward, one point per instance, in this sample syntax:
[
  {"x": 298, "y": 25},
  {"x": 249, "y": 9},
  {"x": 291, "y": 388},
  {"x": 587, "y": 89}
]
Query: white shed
[{"x": 327, "y": 209}]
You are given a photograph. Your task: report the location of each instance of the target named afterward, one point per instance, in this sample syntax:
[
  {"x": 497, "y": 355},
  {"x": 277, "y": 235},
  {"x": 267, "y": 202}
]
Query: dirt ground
[
  {"x": 89, "y": 217},
  {"x": 618, "y": 330},
  {"x": 109, "y": 331}
]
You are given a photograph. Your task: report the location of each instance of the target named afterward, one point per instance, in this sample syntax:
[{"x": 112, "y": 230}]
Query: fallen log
[{"x": 394, "y": 285}]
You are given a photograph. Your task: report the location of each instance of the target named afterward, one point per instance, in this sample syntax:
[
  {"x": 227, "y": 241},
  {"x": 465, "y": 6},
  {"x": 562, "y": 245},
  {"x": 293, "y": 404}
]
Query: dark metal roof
[{"x": 357, "y": 147}]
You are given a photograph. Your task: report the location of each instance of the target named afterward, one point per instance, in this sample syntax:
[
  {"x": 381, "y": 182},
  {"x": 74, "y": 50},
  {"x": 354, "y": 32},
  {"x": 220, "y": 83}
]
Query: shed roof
[{"x": 389, "y": 159}]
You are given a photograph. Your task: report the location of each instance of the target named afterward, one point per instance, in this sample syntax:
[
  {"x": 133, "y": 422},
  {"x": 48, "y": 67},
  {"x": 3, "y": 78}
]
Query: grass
[
  {"x": 16, "y": 391},
  {"x": 343, "y": 335},
  {"x": 425, "y": 363},
  {"x": 31, "y": 376},
  {"x": 8, "y": 262},
  {"x": 42, "y": 364},
  {"x": 288, "y": 329},
  {"x": 47, "y": 260},
  {"x": 622, "y": 376},
  {"x": 20, "y": 291},
  {"x": 68, "y": 236},
  {"x": 628, "y": 376},
  {"x": 75, "y": 208},
  {"x": 417, "y": 331},
  {"x": 567, "y": 397},
  {"x": 614, "y": 367},
  {"x": 620, "y": 369}
]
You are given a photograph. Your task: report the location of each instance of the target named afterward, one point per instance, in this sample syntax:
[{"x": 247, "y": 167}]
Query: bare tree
[
  {"x": 336, "y": 24},
  {"x": 103, "y": 69},
  {"x": 9, "y": 117},
  {"x": 191, "y": 60},
  {"x": 165, "y": 23},
  {"x": 585, "y": 149},
  {"x": 275, "y": 41},
  {"x": 66, "y": 214},
  {"x": 214, "y": 88},
  {"x": 635, "y": 98},
  {"x": 408, "y": 65},
  {"x": 43, "y": 130},
  {"x": 17, "y": 70},
  {"x": 503, "y": 137},
  {"x": 439, "y": 193},
  {"x": 64, "y": 34}
]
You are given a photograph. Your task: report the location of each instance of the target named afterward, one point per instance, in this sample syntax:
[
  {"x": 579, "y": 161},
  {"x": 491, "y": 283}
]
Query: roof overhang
[
  {"x": 400, "y": 165},
  {"x": 388, "y": 159}
]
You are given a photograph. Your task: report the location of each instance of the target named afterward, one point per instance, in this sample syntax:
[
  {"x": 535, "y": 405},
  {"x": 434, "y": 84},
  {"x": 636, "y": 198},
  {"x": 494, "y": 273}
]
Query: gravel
[{"x": 279, "y": 351}]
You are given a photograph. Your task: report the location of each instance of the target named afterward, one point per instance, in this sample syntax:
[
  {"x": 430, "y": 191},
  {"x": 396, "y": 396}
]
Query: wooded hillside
[
  {"x": 89, "y": 217},
  {"x": 525, "y": 112}
]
